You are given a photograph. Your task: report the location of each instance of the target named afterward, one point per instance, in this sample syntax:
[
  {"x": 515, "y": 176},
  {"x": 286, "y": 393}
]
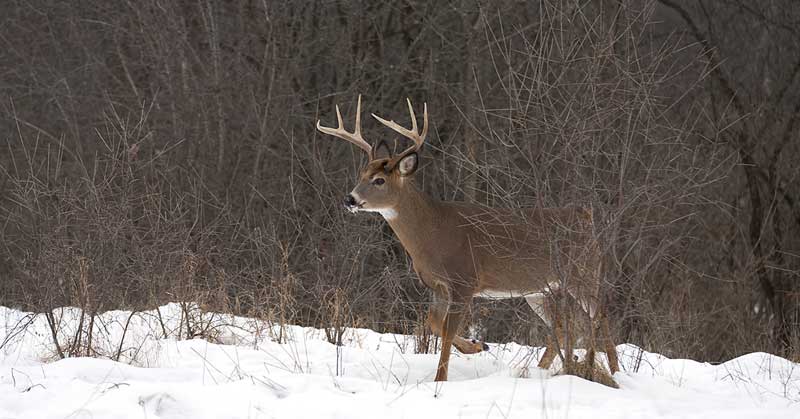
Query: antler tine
[
  {"x": 413, "y": 133},
  {"x": 358, "y": 119},
  {"x": 413, "y": 116},
  {"x": 424, "y": 120},
  {"x": 340, "y": 132}
]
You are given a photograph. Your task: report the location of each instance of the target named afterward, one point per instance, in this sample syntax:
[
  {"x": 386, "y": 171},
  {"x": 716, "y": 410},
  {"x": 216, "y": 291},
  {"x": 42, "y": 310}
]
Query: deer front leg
[
  {"x": 436, "y": 319},
  {"x": 450, "y": 326}
]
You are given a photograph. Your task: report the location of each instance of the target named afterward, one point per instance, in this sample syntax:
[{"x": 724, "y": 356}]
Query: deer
[{"x": 462, "y": 250}]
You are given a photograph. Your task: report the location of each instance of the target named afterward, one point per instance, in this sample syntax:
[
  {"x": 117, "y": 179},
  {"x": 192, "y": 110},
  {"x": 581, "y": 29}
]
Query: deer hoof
[{"x": 484, "y": 346}]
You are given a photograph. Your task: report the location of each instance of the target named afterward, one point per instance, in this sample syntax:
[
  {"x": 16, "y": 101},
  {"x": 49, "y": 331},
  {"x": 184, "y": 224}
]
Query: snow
[{"x": 246, "y": 368}]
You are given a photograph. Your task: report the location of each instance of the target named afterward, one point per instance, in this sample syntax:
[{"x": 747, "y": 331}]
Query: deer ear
[
  {"x": 381, "y": 151},
  {"x": 408, "y": 164}
]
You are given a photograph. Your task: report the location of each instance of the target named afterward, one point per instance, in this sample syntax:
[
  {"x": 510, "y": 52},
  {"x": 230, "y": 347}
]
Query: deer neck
[{"x": 415, "y": 218}]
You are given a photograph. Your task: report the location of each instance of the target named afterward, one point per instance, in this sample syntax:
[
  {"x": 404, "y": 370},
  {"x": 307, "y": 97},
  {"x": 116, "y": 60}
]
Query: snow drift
[{"x": 247, "y": 368}]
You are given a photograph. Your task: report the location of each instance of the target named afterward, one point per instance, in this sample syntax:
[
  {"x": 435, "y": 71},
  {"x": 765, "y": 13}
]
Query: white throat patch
[{"x": 387, "y": 213}]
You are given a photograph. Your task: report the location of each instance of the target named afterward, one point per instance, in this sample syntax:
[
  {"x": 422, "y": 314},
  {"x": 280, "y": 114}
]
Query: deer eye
[{"x": 378, "y": 181}]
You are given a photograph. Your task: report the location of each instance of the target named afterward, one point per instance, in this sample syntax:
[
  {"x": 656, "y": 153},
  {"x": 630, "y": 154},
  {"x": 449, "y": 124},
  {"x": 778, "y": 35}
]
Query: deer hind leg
[
  {"x": 599, "y": 336},
  {"x": 599, "y": 333},
  {"x": 537, "y": 303},
  {"x": 608, "y": 343},
  {"x": 587, "y": 313},
  {"x": 545, "y": 306}
]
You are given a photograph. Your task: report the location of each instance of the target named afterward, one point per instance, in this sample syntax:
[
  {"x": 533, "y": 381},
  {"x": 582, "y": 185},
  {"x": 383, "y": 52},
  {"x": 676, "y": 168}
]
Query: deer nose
[{"x": 350, "y": 201}]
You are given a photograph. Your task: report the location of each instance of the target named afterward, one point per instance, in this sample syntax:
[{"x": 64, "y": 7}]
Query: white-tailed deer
[{"x": 462, "y": 250}]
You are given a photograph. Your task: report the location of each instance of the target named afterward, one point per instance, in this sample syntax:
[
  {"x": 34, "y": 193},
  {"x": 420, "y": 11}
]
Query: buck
[{"x": 461, "y": 250}]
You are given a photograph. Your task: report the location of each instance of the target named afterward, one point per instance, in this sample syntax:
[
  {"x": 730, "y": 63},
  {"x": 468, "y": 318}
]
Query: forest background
[{"x": 157, "y": 151}]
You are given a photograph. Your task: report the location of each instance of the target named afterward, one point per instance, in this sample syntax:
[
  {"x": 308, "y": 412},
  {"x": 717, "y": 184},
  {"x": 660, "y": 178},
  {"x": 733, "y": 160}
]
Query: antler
[
  {"x": 353, "y": 137},
  {"x": 412, "y": 133}
]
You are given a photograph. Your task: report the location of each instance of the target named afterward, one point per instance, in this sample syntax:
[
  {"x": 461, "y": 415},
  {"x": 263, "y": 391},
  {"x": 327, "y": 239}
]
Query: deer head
[{"x": 382, "y": 181}]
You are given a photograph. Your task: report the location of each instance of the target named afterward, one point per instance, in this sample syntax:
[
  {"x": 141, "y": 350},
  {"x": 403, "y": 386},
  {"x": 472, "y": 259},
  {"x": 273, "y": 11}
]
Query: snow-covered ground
[{"x": 257, "y": 370}]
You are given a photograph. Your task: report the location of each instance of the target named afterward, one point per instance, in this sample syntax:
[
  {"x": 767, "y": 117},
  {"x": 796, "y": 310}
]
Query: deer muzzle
[{"x": 351, "y": 203}]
